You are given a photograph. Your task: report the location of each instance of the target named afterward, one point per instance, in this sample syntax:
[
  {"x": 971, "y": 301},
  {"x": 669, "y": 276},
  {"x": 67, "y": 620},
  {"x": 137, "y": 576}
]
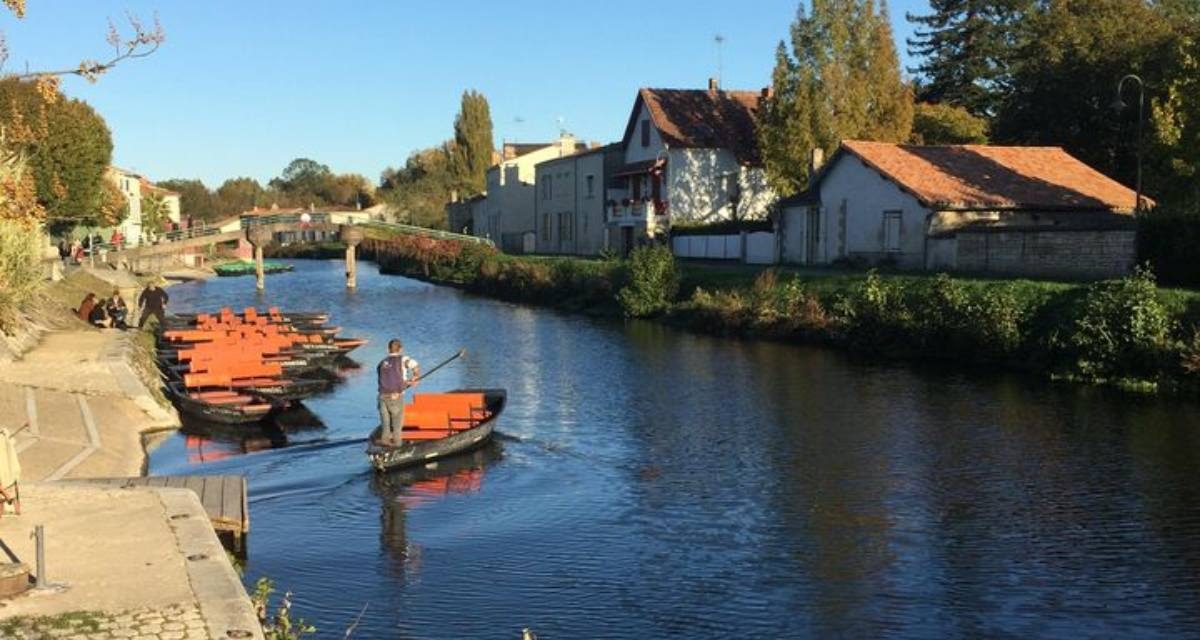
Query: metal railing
[{"x": 430, "y": 233}]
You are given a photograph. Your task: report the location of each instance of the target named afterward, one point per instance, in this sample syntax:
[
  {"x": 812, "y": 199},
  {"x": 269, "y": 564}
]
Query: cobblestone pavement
[{"x": 177, "y": 622}]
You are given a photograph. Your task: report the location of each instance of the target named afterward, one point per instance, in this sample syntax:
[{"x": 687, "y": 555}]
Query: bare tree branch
[{"x": 141, "y": 43}]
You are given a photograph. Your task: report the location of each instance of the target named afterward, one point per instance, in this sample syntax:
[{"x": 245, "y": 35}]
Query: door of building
[{"x": 812, "y": 238}]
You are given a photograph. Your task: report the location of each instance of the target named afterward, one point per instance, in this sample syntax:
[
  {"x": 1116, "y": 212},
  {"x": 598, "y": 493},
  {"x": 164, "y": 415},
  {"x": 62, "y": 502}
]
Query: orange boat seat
[{"x": 437, "y": 420}]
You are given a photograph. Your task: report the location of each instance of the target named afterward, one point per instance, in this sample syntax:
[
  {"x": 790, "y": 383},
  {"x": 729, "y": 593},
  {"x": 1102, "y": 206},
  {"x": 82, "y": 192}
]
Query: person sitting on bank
[
  {"x": 99, "y": 317},
  {"x": 152, "y": 302},
  {"x": 397, "y": 372},
  {"x": 85, "y": 308},
  {"x": 117, "y": 310}
]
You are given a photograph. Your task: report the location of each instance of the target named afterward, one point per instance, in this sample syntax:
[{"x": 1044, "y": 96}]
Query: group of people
[
  {"x": 113, "y": 313},
  {"x": 78, "y": 250}
]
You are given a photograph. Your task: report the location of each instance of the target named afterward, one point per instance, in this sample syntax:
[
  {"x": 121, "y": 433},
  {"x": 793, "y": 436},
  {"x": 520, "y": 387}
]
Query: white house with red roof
[
  {"x": 690, "y": 156},
  {"x": 1034, "y": 211},
  {"x": 134, "y": 186}
]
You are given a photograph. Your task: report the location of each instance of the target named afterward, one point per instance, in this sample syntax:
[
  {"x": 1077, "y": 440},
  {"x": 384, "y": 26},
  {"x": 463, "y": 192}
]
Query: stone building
[
  {"x": 569, "y": 205},
  {"x": 1031, "y": 211}
]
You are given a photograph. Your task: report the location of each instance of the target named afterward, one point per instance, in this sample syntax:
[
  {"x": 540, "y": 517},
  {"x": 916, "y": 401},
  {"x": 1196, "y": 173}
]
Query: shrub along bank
[{"x": 1127, "y": 331}]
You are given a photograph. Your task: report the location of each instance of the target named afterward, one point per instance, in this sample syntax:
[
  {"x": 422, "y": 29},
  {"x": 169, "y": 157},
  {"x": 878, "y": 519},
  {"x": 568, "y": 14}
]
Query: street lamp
[{"x": 1119, "y": 105}]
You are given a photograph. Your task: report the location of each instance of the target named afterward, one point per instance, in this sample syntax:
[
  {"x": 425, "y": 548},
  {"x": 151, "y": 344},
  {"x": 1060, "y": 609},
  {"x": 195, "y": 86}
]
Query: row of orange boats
[{"x": 239, "y": 368}]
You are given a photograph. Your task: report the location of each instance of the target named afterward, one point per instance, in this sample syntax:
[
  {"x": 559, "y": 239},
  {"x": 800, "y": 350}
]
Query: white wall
[
  {"x": 634, "y": 151},
  {"x": 700, "y": 182},
  {"x": 130, "y": 187},
  {"x": 510, "y": 205},
  {"x": 853, "y": 199}
]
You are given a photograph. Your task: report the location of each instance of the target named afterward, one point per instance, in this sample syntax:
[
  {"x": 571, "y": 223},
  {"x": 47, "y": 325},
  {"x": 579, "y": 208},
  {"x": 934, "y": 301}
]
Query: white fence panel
[
  {"x": 733, "y": 247},
  {"x": 760, "y": 247}
]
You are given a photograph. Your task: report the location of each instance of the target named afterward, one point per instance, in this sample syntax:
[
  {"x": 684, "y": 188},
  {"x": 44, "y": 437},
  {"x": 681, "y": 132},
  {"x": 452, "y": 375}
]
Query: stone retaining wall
[{"x": 1048, "y": 254}]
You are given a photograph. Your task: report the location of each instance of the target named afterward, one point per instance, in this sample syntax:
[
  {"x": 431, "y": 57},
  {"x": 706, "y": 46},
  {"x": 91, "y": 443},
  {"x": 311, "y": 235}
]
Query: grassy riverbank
[{"x": 1127, "y": 332}]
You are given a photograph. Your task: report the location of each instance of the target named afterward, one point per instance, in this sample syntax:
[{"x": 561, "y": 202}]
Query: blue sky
[{"x": 241, "y": 88}]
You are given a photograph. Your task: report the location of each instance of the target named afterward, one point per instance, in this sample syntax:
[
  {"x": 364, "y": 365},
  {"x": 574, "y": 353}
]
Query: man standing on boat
[{"x": 397, "y": 372}]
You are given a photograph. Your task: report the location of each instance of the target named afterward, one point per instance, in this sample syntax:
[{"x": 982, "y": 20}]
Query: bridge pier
[
  {"x": 259, "y": 236},
  {"x": 352, "y": 236}
]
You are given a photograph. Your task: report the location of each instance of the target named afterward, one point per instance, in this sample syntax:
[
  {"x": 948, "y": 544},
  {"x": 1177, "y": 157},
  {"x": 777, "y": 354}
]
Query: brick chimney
[
  {"x": 713, "y": 85},
  {"x": 767, "y": 93},
  {"x": 816, "y": 160}
]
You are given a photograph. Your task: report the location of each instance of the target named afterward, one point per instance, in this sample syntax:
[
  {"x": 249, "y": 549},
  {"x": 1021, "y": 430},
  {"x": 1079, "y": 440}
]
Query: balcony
[{"x": 629, "y": 210}]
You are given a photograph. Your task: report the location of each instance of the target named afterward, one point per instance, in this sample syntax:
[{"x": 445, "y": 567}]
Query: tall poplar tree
[
  {"x": 967, "y": 49},
  {"x": 840, "y": 80},
  {"x": 471, "y": 153}
]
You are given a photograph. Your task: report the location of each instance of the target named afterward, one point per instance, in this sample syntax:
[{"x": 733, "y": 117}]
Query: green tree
[
  {"x": 348, "y": 190},
  {"x": 237, "y": 195},
  {"x": 195, "y": 199},
  {"x": 471, "y": 153},
  {"x": 155, "y": 213},
  {"x": 1175, "y": 113},
  {"x": 68, "y": 147},
  {"x": 418, "y": 192},
  {"x": 841, "y": 80},
  {"x": 1075, "y": 51},
  {"x": 302, "y": 176},
  {"x": 947, "y": 124},
  {"x": 967, "y": 49}
]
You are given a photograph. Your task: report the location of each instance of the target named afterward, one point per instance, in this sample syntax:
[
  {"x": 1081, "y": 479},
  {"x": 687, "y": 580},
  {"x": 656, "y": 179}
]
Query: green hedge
[{"x": 1125, "y": 331}]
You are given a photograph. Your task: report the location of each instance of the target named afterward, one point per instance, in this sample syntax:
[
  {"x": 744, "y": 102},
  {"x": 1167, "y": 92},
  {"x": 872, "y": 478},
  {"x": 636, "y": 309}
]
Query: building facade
[
  {"x": 508, "y": 210},
  {"x": 1034, "y": 211},
  {"x": 689, "y": 156},
  {"x": 570, "y": 212},
  {"x": 139, "y": 191}
]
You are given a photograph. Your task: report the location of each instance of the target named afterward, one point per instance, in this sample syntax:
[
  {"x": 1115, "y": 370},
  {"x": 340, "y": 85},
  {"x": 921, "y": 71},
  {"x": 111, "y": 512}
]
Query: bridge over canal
[{"x": 260, "y": 230}]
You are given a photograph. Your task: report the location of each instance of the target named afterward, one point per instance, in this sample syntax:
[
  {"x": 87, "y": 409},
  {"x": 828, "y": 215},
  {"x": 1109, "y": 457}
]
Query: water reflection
[
  {"x": 207, "y": 442},
  {"x": 406, "y": 489}
]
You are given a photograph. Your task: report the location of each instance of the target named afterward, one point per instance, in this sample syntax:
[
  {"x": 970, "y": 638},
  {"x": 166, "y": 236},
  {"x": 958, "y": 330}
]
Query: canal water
[{"x": 650, "y": 483}]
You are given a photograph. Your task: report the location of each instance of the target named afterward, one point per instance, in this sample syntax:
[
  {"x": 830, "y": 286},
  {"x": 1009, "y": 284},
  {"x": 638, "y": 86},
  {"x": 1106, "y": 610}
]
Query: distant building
[
  {"x": 1033, "y": 211},
  {"x": 461, "y": 215},
  {"x": 690, "y": 155},
  {"x": 320, "y": 217},
  {"x": 134, "y": 187},
  {"x": 508, "y": 209},
  {"x": 570, "y": 212}
]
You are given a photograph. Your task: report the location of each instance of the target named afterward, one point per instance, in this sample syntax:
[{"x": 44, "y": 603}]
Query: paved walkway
[
  {"x": 149, "y": 566},
  {"x": 84, "y": 405}
]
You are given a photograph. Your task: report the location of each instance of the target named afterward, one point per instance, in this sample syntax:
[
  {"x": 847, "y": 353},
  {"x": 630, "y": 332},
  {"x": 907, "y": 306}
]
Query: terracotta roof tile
[
  {"x": 698, "y": 118},
  {"x": 983, "y": 176}
]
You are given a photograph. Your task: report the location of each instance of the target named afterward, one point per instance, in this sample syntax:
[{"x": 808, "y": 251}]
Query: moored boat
[
  {"x": 225, "y": 406},
  {"x": 247, "y": 267},
  {"x": 440, "y": 425}
]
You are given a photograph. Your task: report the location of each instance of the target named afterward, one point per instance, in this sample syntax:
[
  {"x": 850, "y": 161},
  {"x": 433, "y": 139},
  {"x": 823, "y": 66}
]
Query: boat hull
[
  {"x": 385, "y": 458},
  {"x": 214, "y": 412}
]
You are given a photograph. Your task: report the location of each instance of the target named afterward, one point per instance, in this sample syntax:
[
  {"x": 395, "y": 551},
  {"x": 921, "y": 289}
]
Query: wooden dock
[{"x": 223, "y": 497}]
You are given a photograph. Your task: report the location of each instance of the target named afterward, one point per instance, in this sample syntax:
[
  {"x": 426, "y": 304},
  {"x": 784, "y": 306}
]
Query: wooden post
[
  {"x": 259, "y": 236},
  {"x": 260, "y": 276},
  {"x": 351, "y": 236}
]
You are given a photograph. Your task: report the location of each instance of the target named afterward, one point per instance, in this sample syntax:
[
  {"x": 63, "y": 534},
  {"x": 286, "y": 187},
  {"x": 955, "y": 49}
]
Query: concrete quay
[{"x": 121, "y": 562}]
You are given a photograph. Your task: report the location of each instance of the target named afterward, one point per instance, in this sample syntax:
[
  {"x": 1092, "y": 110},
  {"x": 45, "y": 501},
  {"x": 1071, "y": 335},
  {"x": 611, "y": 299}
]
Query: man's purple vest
[{"x": 391, "y": 375}]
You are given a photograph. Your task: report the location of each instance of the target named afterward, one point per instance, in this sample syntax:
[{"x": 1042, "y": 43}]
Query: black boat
[
  {"x": 225, "y": 407},
  {"x": 385, "y": 458}
]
